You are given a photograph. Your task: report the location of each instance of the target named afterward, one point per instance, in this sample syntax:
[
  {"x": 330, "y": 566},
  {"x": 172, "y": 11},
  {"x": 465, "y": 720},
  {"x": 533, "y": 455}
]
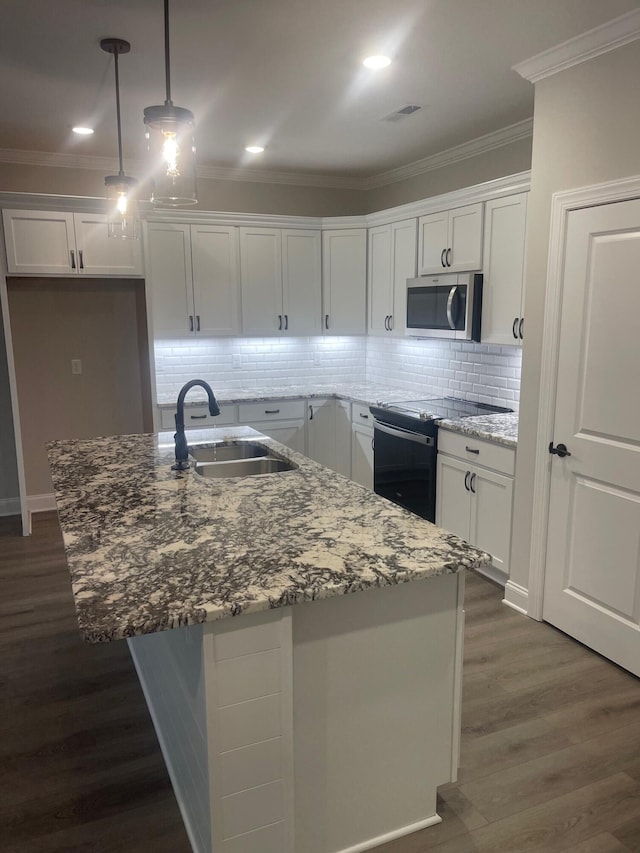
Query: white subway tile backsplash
[{"x": 423, "y": 368}]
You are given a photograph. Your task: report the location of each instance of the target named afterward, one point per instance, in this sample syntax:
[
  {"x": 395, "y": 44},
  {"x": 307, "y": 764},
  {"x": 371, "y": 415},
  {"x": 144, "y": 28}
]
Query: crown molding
[
  {"x": 499, "y": 138},
  {"x": 595, "y": 42}
]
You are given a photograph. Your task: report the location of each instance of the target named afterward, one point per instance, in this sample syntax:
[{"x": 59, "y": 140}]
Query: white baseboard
[
  {"x": 41, "y": 503},
  {"x": 491, "y": 572},
  {"x": 9, "y": 506},
  {"x": 391, "y": 836},
  {"x": 516, "y": 597}
]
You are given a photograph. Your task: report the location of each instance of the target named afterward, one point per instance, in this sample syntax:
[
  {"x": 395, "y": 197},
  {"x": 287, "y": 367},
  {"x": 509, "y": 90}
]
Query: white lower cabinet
[
  {"x": 282, "y": 420},
  {"x": 321, "y": 431},
  {"x": 473, "y": 501},
  {"x": 362, "y": 445}
]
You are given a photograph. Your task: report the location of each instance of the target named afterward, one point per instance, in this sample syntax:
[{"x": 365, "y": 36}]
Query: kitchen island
[{"x": 293, "y": 715}]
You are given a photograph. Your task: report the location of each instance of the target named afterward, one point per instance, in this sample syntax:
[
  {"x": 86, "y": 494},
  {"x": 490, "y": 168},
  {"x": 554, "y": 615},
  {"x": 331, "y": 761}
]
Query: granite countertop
[
  {"x": 149, "y": 548},
  {"x": 500, "y": 429},
  {"x": 367, "y": 393}
]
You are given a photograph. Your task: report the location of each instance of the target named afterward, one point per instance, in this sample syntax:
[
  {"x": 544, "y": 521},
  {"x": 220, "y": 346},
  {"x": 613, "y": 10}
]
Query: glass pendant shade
[
  {"x": 170, "y": 134},
  {"x": 122, "y": 206}
]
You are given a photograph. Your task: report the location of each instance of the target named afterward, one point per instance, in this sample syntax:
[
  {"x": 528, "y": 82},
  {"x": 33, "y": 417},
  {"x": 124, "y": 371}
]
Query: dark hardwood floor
[{"x": 550, "y": 747}]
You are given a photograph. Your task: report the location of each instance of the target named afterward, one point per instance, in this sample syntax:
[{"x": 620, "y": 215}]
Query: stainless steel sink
[
  {"x": 243, "y": 467},
  {"x": 247, "y": 459},
  {"x": 227, "y": 452}
]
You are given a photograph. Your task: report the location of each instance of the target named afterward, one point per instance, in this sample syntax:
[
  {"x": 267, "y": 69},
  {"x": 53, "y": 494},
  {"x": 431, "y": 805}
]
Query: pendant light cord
[
  {"x": 167, "y": 61},
  {"x": 115, "y": 57}
]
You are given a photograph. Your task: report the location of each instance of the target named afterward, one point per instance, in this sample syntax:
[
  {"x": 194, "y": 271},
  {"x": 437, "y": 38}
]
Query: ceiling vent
[{"x": 403, "y": 112}]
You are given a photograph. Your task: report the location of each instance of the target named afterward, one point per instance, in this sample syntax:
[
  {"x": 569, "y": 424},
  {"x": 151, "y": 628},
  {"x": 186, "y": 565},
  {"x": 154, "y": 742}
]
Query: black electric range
[{"x": 405, "y": 447}]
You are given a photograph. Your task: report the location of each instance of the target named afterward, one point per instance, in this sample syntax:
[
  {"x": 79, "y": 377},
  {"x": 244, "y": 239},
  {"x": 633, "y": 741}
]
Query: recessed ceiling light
[
  {"x": 376, "y": 62},
  {"x": 254, "y": 149},
  {"x": 82, "y": 131}
]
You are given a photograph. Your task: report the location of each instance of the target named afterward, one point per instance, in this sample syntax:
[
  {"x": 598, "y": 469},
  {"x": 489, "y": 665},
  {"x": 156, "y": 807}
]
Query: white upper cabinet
[
  {"x": 281, "y": 281},
  {"x": 451, "y": 240},
  {"x": 301, "y": 282},
  {"x": 504, "y": 258},
  {"x": 392, "y": 260},
  {"x": 344, "y": 281},
  {"x": 41, "y": 242},
  {"x": 192, "y": 273}
]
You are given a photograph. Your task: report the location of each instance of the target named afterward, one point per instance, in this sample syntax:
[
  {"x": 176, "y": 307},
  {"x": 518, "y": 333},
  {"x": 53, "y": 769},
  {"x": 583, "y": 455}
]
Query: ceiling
[{"x": 283, "y": 73}]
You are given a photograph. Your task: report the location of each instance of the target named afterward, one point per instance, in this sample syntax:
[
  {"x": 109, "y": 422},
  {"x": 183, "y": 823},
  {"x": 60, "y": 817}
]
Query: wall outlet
[
  {"x": 236, "y": 360},
  {"x": 76, "y": 366}
]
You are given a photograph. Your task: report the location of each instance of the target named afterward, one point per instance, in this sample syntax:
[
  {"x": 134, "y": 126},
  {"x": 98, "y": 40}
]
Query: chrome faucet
[{"x": 182, "y": 450}]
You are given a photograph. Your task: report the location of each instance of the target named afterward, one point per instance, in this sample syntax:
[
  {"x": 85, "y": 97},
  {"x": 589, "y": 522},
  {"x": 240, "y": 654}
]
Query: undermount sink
[{"x": 237, "y": 460}]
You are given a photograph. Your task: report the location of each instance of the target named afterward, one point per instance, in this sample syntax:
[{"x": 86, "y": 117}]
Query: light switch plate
[
  {"x": 236, "y": 359},
  {"x": 76, "y": 366}
]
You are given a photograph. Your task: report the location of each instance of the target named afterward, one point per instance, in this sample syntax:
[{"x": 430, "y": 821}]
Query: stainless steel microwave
[{"x": 445, "y": 306}]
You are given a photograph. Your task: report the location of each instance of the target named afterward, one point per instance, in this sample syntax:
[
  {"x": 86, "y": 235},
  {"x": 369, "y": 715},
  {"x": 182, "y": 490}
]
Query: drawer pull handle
[
  {"x": 366, "y": 417},
  {"x": 472, "y": 450},
  {"x": 272, "y": 411},
  {"x": 197, "y": 417}
]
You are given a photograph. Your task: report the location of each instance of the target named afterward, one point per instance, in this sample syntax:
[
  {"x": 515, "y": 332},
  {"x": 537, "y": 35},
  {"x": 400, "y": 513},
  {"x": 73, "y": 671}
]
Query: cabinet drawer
[
  {"x": 275, "y": 410},
  {"x": 480, "y": 452},
  {"x": 198, "y": 416},
  {"x": 361, "y": 415}
]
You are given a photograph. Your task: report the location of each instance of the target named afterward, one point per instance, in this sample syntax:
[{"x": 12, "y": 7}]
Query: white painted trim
[
  {"x": 9, "y": 506},
  {"x": 488, "y": 142},
  {"x": 166, "y": 754},
  {"x": 562, "y": 203},
  {"x": 41, "y": 503},
  {"x": 609, "y": 36},
  {"x": 516, "y": 597},
  {"x": 391, "y": 836},
  {"x": 494, "y": 574}
]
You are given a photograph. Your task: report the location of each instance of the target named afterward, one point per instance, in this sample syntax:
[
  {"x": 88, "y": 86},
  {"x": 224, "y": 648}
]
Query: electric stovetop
[{"x": 425, "y": 413}]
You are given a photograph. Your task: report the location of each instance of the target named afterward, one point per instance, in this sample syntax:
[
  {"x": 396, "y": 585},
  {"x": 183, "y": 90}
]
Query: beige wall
[
  {"x": 8, "y": 469},
  {"x": 97, "y": 321},
  {"x": 586, "y": 131},
  {"x": 232, "y": 196},
  {"x": 508, "y": 160}
]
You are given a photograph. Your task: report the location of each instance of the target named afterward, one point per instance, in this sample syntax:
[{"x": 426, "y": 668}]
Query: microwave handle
[{"x": 452, "y": 296}]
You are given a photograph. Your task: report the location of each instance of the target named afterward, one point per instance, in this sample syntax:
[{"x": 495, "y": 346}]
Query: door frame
[{"x": 562, "y": 204}]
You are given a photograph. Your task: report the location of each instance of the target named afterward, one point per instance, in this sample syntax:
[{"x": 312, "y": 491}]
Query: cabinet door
[
  {"x": 321, "y": 432},
  {"x": 169, "y": 279},
  {"x": 216, "y": 280},
  {"x": 380, "y": 289},
  {"x": 40, "y": 242},
  {"x": 403, "y": 266},
  {"x": 344, "y": 281},
  {"x": 491, "y": 503},
  {"x": 301, "y": 282},
  {"x": 290, "y": 433},
  {"x": 362, "y": 456},
  {"x": 99, "y": 254},
  {"x": 504, "y": 253},
  {"x": 465, "y": 238},
  {"x": 343, "y": 437},
  {"x": 453, "y": 499},
  {"x": 433, "y": 236},
  {"x": 261, "y": 281}
]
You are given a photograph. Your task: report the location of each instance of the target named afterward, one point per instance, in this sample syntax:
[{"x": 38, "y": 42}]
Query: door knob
[{"x": 560, "y": 450}]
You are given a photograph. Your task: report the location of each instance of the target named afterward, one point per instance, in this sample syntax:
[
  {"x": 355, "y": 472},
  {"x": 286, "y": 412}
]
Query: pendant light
[
  {"x": 121, "y": 189},
  {"x": 171, "y": 144}
]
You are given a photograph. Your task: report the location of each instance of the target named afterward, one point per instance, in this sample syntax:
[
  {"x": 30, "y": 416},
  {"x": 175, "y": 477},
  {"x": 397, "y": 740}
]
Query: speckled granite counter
[
  {"x": 149, "y": 548},
  {"x": 500, "y": 429},
  {"x": 367, "y": 393}
]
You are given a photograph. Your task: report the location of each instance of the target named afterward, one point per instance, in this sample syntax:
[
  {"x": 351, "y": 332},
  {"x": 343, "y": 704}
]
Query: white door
[
  {"x": 301, "y": 282},
  {"x": 261, "y": 277},
  {"x": 592, "y": 580},
  {"x": 99, "y": 254},
  {"x": 380, "y": 281},
  {"x": 344, "y": 281},
  {"x": 404, "y": 259},
  {"x": 433, "y": 242},
  {"x": 169, "y": 279},
  {"x": 465, "y": 238},
  {"x": 453, "y": 496},
  {"x": 216, "y": 280},
  {"x": 40, "y": 242}
]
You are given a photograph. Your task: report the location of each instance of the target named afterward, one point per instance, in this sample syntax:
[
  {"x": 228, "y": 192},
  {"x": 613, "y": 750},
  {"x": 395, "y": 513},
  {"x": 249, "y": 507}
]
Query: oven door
[{"x": 405, "y": 468}]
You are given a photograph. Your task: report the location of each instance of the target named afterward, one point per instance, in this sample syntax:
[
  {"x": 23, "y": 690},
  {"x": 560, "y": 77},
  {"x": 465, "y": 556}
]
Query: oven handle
[{"x": 398, "y": 432}]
